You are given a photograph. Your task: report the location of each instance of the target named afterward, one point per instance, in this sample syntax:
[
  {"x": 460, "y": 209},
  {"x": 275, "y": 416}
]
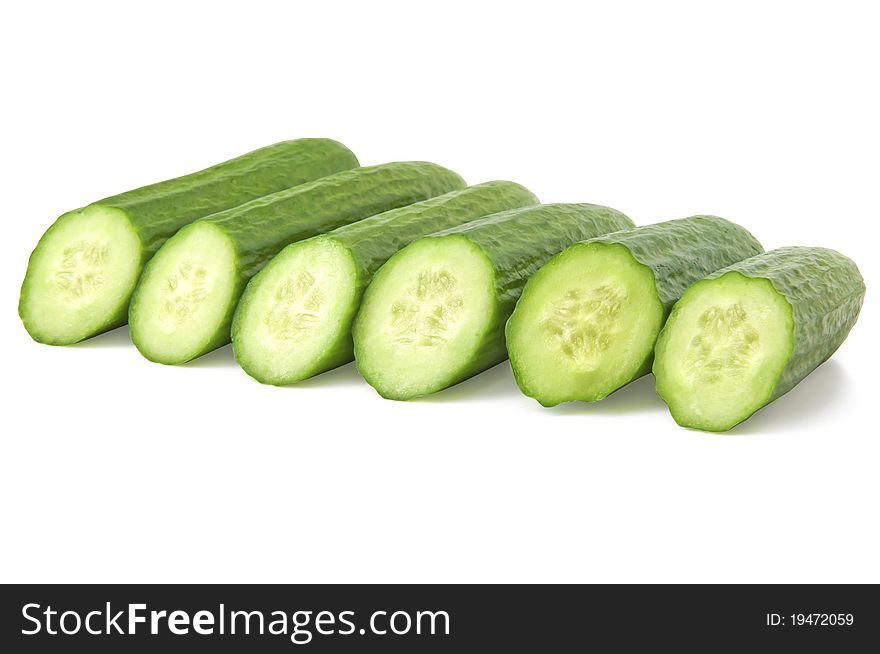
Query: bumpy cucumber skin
[
  {"x": 157, "y": 211},
  {"x": 371, "y": 242},
  {"x": 680, "y": 252},
  {"x": 259, "y": 229},
  {"x": 825, "y": 292},
  {"x": 374, "y": 240},
  {"x": 683, "y": 251},
  {"x": 520, "y": 241},
  {"x": 516, "y": 243}
]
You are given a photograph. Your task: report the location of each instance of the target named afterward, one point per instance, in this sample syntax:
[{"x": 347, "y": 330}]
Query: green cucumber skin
[
  {"x": 261, "y": 228},
  {"x": 517, "y": 243},
  {"x": 157, "y": 211},
  {"x": 825, "y": 291},
  {"x": 683, "y": 251},
  {"x": 371, "y": 242}
]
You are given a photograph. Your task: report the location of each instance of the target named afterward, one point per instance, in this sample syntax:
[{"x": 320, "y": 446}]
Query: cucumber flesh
[
  {"x": 436, "y": 302},
  {"x": 290, "y": 321},
  {"x": 434, "y": 314},
  {"x": 750, "y": 332},
  {"x": 587, "y": 322},
  {"x": 80, "y": 276},
  {"x": 584, "y": 324},
  {"x": 84, "y": 269},
  {"x": 193, "y": 282},
  {"x": 226, "y": 249},
  {"x": 722, "y": 355},
  {"x": 294, "y": 320}
]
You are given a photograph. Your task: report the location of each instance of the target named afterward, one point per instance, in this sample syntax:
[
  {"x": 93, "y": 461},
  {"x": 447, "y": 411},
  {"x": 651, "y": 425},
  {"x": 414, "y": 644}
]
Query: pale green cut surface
[
  {"x": 80, "y": 276},
  {"x": 424, "y": 316},
  {"x": 295, "y": 310},
  {"x": 185, "y": 292},
  {"x": 722, "y": 351},
  {"x": 585, "y": 324}
]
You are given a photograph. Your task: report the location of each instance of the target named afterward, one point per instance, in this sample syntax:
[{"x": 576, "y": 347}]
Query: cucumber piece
[
  {"x": 434, "y": 314},
  {"x": 587, "y": 322},
  {"x": 749, "y": 333},
  {"x": 294, "y": 319},
  {"x": 183, "y": 304},
  {"x": 81, "y": 275}
]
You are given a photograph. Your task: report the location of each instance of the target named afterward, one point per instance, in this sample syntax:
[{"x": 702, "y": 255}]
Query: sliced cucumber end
[
  {"x": 585, "y": 324},
  {"x": 722, "y": 351},
  {"x": 294, "y": 319},
  {"x": 185, "y": 295},
  {"x": 80, "y": 276},
  {"x": 423, "y": 317}
]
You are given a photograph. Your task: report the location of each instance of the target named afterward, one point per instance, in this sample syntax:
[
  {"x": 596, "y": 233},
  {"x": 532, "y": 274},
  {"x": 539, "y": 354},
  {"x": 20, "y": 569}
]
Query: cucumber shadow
[
  {"x": 219, "y": 358},
  {"x": 494, "y": 383},
  {"x": 224, "y": 357},
  {"x": 803, "y": 404},
  {"x": 118, "y": 337},
  {"x": 345, "y": 375},
  {"x": 636, "y": 397}
]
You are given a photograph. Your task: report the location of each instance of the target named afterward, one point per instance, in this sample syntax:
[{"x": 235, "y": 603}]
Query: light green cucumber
[
  {"x": 750, "y": 332},
  {"x": 434, "y": 314},
  {"x": 183, "y": 304},
  {"x": 294, "y": 319},
  {"x": 81, "y": 275},
  {"x": 587, "y": 322}
]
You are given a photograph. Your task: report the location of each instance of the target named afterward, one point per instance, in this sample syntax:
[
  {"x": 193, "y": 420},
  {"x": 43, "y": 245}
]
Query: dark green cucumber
[
  {"x": 294, "y": 319},
  {"x": 751, "y": 332},
  {"x": 81, "y": 275},
  {"x": 434, "y": 314},
  {"x": 183, "y": 304},
  {"x": 587, "y": 322}
]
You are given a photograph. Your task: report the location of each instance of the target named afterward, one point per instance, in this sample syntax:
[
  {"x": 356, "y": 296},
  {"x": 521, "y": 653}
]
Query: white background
[{"x": 116, "y": 469}]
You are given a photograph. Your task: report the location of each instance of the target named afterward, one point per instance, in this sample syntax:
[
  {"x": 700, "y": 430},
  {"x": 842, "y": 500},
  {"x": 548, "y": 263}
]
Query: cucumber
[
  {"x": 81, "y": 275},
  {"x": 587, "y": 322},
  {"x": 750, "y": 332},
  {"x": 294, "y": 319},
  {"x": 434, "y": 314},
  {"x": 183, "y": 304}
]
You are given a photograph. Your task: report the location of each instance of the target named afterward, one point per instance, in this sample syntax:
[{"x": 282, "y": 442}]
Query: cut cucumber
[
  {"x": 587, "y": 322},
  {"x": 434, "y": 314},
  {"x": 81, "y": 275},
  {"x": 183, "y": 304},
  {"x": 749, "y": 333},
  {"x": 294, "y": 319}
]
